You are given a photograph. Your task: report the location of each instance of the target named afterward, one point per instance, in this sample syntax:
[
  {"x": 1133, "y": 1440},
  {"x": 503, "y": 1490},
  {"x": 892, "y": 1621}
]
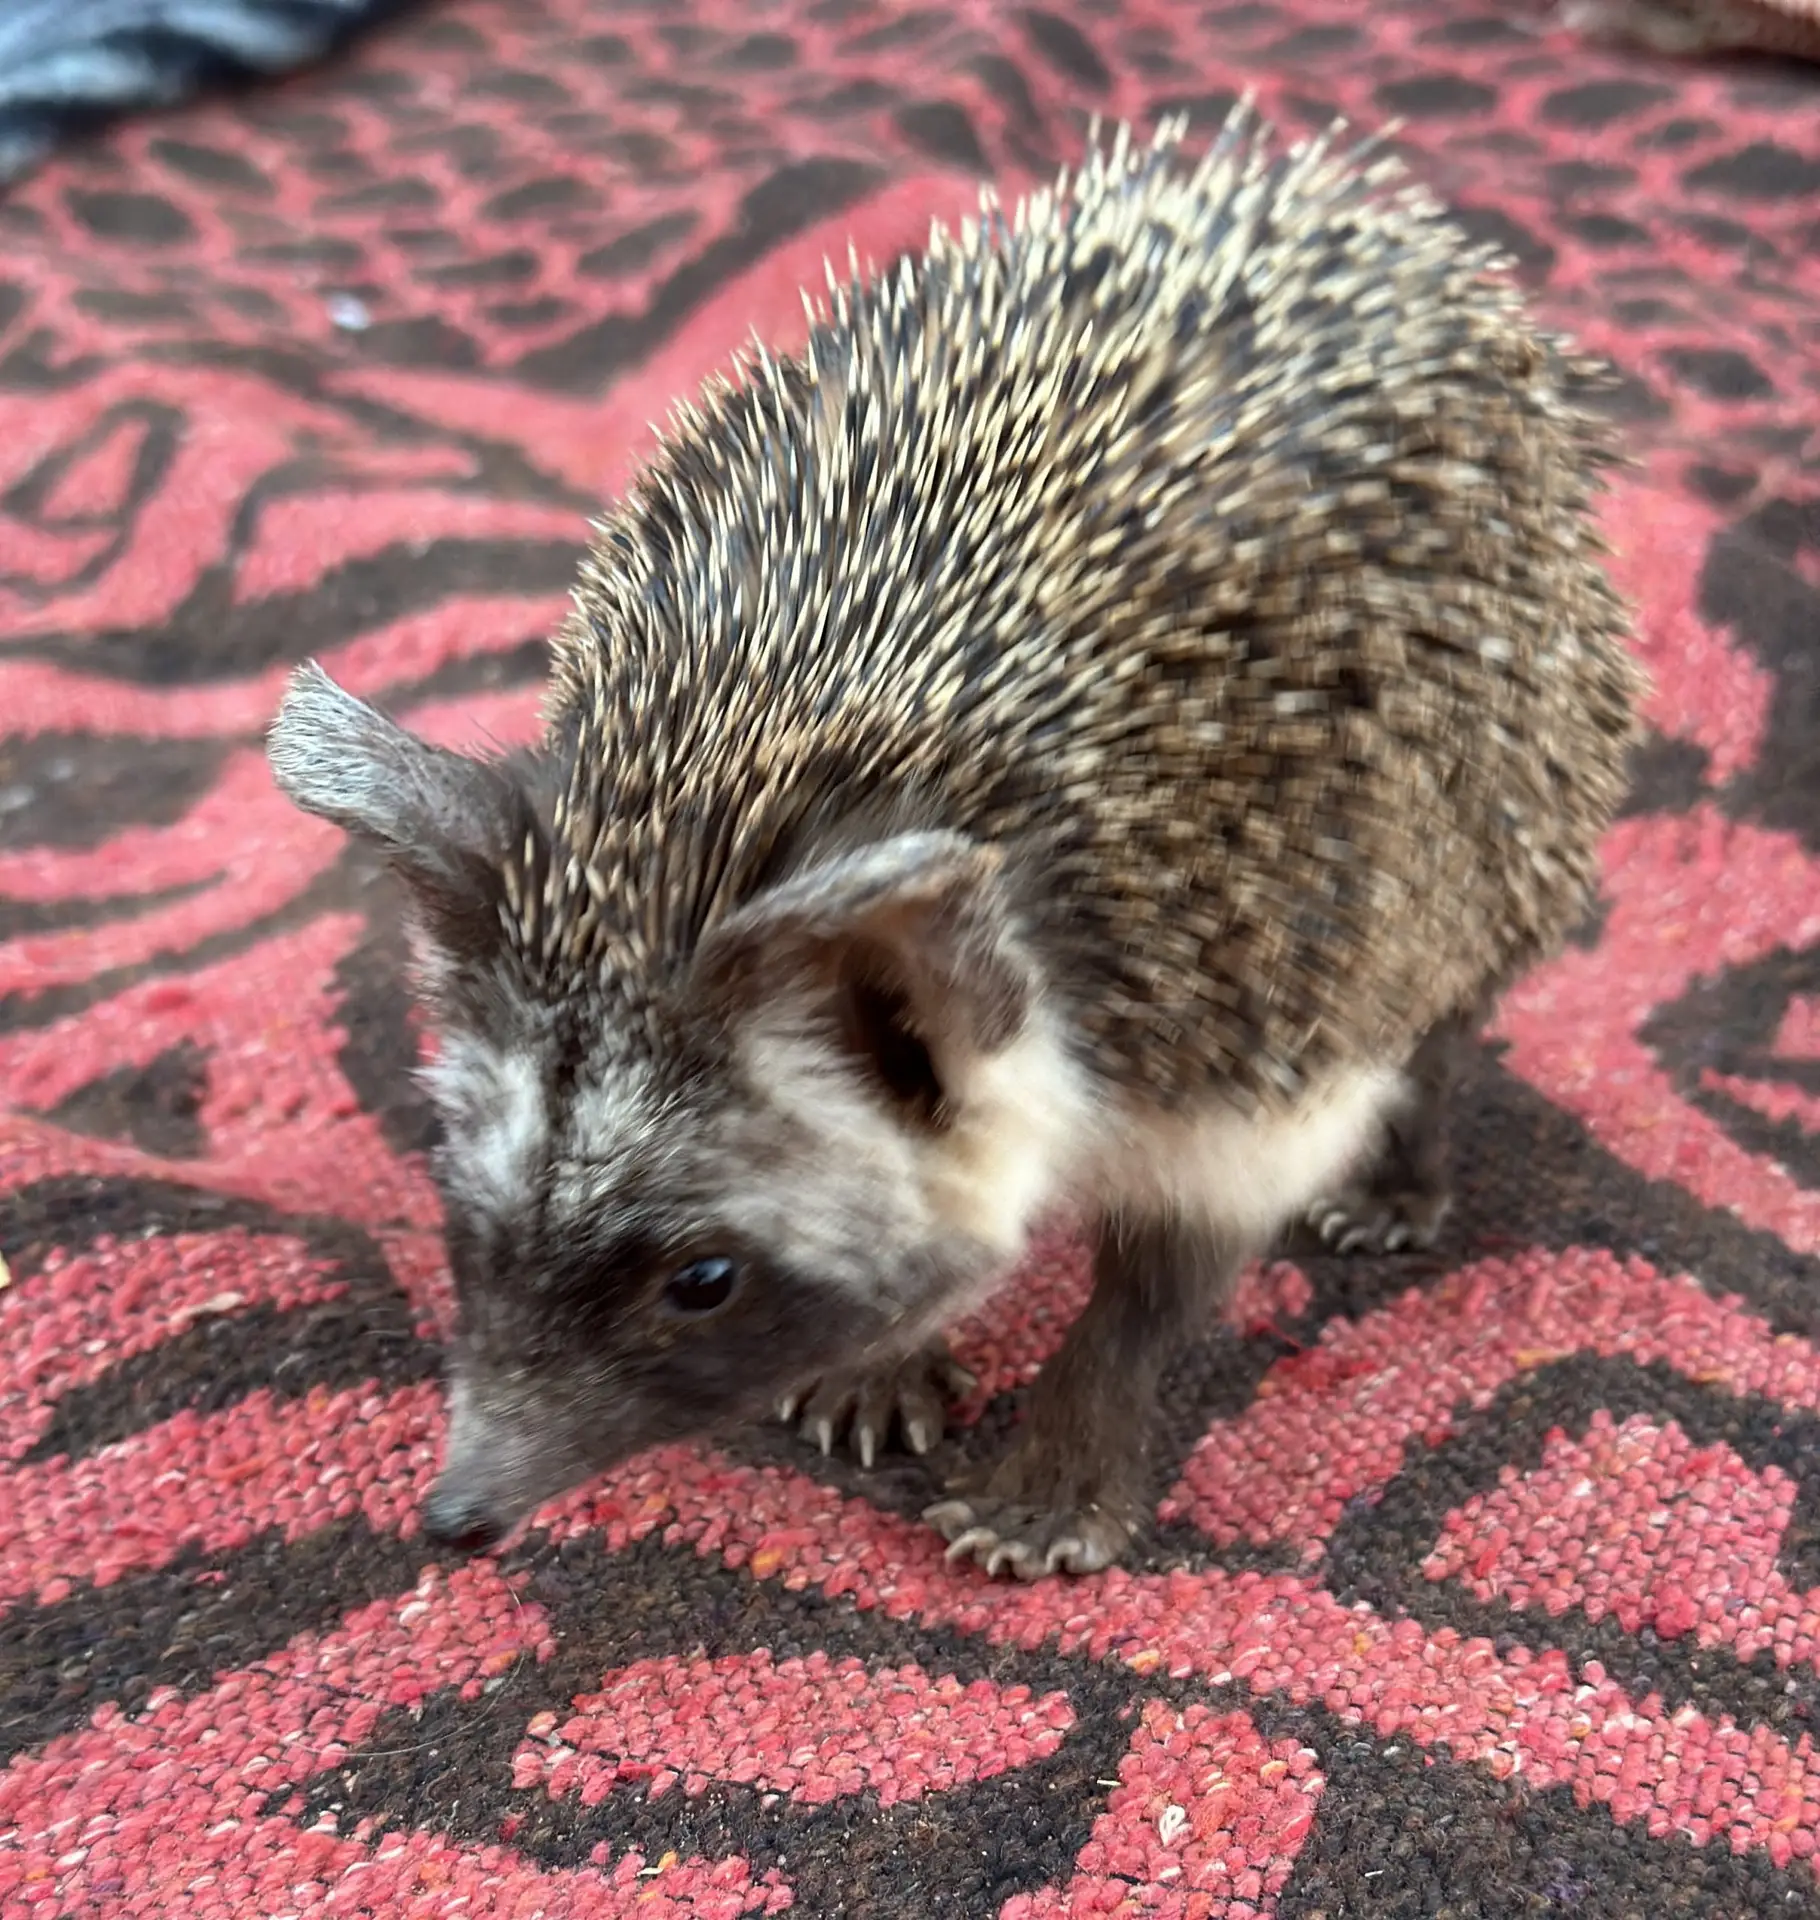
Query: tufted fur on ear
[
  {"x": 908, "y": 944},
  {"x": 445, "y": 822}
]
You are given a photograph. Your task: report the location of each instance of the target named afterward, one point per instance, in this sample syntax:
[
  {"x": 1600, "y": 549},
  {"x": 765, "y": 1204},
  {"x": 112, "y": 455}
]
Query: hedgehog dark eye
[{"x": 701, "y": 1286}]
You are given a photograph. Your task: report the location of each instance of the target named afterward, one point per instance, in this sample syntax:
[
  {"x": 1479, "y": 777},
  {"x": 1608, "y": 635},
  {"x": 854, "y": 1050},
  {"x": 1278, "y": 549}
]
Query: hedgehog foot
[
  {"x": 1004, "y": 1534},
  {"x": 1070, "y": 1494},
  {"x": 1399, "y": 1203},
  {"x": 910, "y": 1395},
  {"x": 1376, "y": 1219}
]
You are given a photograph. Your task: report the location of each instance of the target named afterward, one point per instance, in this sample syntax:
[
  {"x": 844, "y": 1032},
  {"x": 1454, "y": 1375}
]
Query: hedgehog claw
[
  {"x": 1362, "y": 1221},
  {"x": 947, "y": 1514},
  {"x": 1028, "y": 1541},
  {"x": 969, "y": 1542},
  {"x": 910, "y": 1395}
]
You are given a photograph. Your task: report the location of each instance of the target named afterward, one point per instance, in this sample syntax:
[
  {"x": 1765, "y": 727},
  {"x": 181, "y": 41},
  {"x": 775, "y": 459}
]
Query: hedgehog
[{"x": 1090, "y": 737}]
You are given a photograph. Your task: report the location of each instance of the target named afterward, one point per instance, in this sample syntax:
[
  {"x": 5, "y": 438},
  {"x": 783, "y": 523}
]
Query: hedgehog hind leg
[
  {"x": 1400, "y": 1201},
  {"x": 907, "y": 1396},
  {"x": 1070, "y": 1493}
]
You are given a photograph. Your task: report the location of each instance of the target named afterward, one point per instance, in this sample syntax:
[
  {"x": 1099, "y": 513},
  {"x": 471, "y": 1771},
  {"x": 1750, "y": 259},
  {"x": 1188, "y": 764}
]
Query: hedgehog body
[{"x": 1095, "y": 727}]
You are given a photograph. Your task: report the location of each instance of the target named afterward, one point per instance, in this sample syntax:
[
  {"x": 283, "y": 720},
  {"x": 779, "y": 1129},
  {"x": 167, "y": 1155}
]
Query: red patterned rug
[{"x": 1483, "y": 1583}]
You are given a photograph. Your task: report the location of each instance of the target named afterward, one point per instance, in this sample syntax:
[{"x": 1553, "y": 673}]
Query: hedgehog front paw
[
  {"x": 911, "y": 1395},
  {"x": 1040, "y": 1509},
  {"x": 1029, "y": 1542},
  {"x": 1377, "y": 1220}
]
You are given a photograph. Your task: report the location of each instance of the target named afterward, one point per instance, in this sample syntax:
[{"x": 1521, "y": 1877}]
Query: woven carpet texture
[{"x": 1485, "y": 1582}]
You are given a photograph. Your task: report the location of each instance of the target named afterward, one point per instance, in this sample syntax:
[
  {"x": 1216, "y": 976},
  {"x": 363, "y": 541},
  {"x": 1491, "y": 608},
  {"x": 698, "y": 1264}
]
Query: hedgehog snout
[{"x": 458, "y": 1519}]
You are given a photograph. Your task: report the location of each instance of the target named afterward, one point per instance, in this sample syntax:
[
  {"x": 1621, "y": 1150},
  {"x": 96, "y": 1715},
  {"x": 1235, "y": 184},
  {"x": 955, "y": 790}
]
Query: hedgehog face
[
  {"x": 822, "y": 1133},
  {"x": 659, "y": 1253}
]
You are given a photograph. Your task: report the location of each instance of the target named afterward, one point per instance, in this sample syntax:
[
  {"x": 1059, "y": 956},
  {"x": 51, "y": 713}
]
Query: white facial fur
[
  {"x": 609, "y": 1117},
  {"x": 496, "y": 1118},
  {"x": 835, "y": 1141},
  {"x": 1025, "y": 1124},
  {"x": 1019, "y": 1121}
]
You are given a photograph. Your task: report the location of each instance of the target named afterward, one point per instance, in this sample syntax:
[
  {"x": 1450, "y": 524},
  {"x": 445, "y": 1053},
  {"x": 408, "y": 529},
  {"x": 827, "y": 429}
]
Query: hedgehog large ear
[
  {"x": 909, "y": 942},
  {"x": 442, "y": 820}
]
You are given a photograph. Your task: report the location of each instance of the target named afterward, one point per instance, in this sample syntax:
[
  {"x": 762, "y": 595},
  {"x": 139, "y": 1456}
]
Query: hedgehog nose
[{"x": 463, "y": 1524}]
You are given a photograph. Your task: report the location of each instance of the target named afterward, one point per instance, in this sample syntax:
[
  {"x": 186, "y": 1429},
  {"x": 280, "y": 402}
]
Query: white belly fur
[{"x": 1249, "y": 1176}]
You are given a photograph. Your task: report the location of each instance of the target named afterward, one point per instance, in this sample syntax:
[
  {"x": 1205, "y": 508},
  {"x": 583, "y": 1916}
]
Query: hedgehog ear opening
[
  {"x": 442, "y": 820},
  {"x": 906, "y": 944}
]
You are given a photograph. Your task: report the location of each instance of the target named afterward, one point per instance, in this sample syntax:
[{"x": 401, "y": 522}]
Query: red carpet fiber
[{"x": 1482, "y": 1583}]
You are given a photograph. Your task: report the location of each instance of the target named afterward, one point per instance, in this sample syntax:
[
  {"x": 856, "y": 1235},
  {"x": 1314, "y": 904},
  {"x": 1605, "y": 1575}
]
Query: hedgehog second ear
[
  {"x": 441, "y": 819},
  {"x": 911, "y": 936}
]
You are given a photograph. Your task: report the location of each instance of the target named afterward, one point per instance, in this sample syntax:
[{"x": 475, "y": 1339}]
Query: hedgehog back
[{"x": 1218, "y": 539}]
